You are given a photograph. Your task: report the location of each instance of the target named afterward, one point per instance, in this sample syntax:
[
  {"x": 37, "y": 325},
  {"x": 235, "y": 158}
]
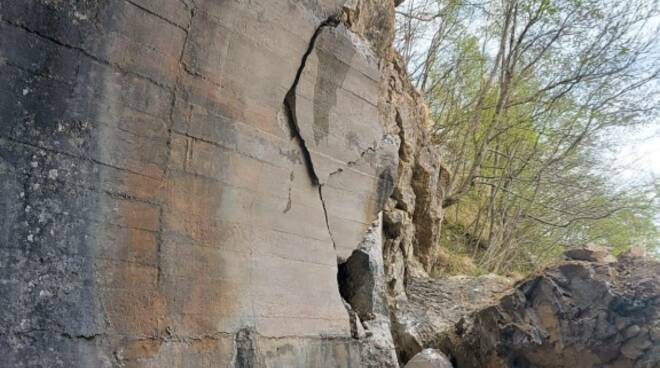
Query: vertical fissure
[
  {"x": 290, "y": 98},
  {"x": 294, "y": 127},
  {"x": 327, "y": 218}
]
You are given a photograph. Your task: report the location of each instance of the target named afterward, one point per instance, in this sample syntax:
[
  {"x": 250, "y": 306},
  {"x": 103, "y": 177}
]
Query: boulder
[
  {"x": 576, "y": 314},
  {"x": 429, "y": 358}
]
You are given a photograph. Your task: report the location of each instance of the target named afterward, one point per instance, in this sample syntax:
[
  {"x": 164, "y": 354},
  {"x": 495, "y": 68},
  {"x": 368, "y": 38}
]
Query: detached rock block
[{"x": 429, "y": 358}]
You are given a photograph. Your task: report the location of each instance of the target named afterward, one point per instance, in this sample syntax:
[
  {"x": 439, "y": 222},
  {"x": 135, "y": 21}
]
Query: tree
[{"x": 524, "y": 93}]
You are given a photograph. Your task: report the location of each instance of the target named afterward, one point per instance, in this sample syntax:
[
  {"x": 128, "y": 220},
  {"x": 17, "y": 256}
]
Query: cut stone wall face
[{"x": 164, "y": 202}]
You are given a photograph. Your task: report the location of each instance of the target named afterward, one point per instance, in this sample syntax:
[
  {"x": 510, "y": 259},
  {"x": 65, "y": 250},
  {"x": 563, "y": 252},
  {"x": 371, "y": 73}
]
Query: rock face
[
  {"x": 180, "y": 178},
  {"x": 577, "y": 314},
  {"x": 434, "y": 306},
  {"x": 196, "y": 183},
  {"x": 413, "y": 214},
  {"x": 362, "y": 284}
]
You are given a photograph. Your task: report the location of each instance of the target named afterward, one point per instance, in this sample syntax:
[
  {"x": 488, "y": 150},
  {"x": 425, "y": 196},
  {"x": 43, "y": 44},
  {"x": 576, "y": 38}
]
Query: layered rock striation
[
  {"x": 195, "y": 183},
  {"x": 181, "y": 179}
]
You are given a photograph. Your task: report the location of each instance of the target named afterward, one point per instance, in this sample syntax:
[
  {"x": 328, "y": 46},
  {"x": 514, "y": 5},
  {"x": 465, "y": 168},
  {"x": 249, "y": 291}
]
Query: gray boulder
[
  {"x": 429, "y": 358},
  {"x": 576, "y": 314}
]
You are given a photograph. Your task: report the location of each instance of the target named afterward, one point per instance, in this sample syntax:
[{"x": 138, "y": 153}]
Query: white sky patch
[{"x": 639, "y": 153}]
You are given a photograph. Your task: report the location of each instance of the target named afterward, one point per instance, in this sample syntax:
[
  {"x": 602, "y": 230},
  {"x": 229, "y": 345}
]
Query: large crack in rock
[
  {"x": 294, "y": 126},
  {"x": 325, "y": 215},
  {"x": 332, "y": 110},
  {"x": 329, "y": 82},
  {"x": 334, "y": 100},
  {"x": 181, "y": 227},
  {"x": 290, "y": 98}
]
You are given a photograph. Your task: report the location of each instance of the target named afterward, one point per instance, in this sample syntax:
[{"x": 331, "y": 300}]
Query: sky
[
  {"x": 641, "y": 152},
  {"x": 643, "y": 148}
]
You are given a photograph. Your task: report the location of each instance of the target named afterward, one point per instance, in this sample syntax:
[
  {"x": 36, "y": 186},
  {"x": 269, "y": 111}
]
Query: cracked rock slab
[
  {"x": 335, "y": 108},
  {"x": 336, "y": 101}
]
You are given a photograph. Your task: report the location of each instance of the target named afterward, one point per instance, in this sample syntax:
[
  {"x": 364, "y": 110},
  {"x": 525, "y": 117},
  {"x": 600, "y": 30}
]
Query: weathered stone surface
[
  {"x": 413, "y": 214},
  {"x": 160, "y": 205},
  {"x": 179, "y": 179},
  {"x": 350, "y": 155},
  {"x": 373, "y": 21},
  {"x": 577, "y": 314},
  {"x": 335, "y": 102},
  {"x": 434, "y": 306},
  {"x": 429, "y": 358},
  {"x": 362, "y": 285}
]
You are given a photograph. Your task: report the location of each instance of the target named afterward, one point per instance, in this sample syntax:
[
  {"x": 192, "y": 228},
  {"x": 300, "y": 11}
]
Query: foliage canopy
[{"x": 528, "y": 97}]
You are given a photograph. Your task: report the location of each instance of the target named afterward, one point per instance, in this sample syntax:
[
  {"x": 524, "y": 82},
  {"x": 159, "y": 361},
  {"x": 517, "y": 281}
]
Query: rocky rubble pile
[{"x": 591, "y": 312}]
